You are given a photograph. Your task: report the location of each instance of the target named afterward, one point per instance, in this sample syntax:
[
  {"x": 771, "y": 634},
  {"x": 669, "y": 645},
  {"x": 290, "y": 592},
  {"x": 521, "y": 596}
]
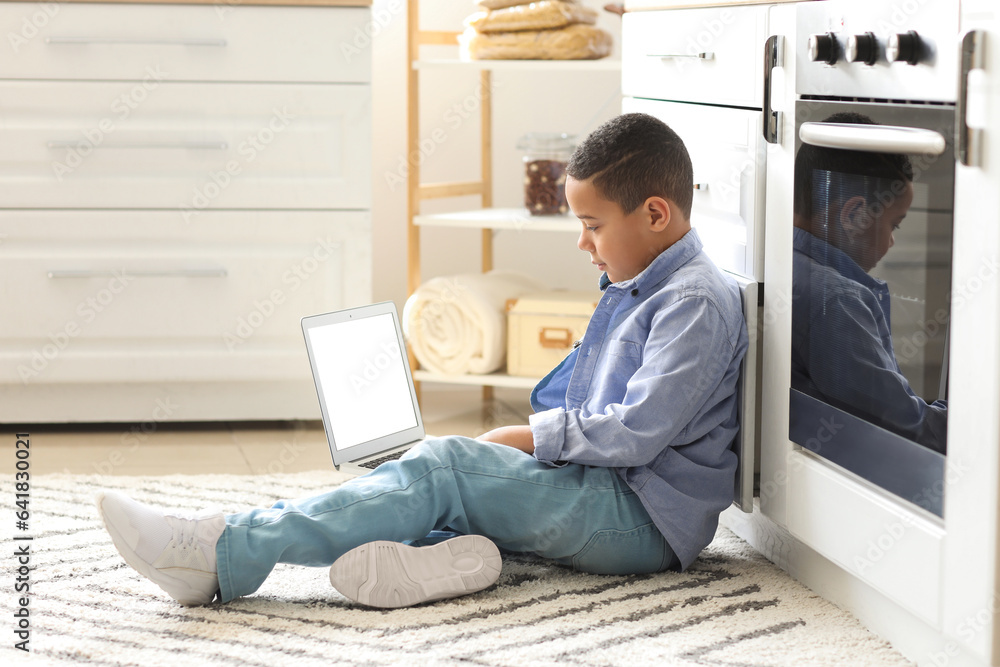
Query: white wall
[{"x": 523, "y": 102}]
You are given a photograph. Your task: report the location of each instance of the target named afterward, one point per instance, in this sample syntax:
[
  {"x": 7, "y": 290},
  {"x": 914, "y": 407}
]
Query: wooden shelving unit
[{"x": 486, "y": 218}]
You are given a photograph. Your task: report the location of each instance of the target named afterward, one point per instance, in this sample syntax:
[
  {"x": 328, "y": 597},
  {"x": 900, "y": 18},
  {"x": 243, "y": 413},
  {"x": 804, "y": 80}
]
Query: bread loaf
[
  {"x": 575, "y": 42},
  {"x": 534, "y": 16}
]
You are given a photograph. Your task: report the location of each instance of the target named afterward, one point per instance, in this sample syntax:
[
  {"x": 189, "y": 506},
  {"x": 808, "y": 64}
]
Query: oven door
[{"x": 871, "y": 285}]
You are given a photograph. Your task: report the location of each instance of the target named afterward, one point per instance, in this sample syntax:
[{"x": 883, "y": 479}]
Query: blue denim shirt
[
  {"x": 842, "y": 349},
  {"x": 651, "y": 392}
]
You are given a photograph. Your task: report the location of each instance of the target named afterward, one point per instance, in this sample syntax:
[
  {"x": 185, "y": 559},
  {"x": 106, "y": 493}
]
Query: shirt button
[{"x": 635, "y": 292}]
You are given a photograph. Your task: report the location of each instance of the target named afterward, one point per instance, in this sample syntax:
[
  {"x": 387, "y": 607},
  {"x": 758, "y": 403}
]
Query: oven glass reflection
[{"x": 870, "y": 312}]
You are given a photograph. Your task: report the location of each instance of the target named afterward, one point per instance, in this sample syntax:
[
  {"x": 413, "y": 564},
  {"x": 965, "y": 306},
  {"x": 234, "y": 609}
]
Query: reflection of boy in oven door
[{"x": 847, "y": 206}]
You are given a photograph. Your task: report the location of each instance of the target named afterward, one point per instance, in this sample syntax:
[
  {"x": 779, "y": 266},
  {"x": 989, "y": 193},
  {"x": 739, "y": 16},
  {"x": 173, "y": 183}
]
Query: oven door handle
[{"x": 873, "y": 138}]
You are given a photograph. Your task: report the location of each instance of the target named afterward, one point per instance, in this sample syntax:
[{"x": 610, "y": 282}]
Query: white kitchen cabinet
[
  {"x": 695, "y": 55},
  {"x": 187, "y": 146},
  {"x": 186, "y": 42},
  {"x": 182, "y": 183},
  {"x": 700, "y": 71},
  {"x": 725, "y": 146},
  {"x": 132, "y": 281}
]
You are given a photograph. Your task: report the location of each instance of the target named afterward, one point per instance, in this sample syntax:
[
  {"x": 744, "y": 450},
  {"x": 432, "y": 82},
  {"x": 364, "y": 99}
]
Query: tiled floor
[{"x": 243, "y": 448}]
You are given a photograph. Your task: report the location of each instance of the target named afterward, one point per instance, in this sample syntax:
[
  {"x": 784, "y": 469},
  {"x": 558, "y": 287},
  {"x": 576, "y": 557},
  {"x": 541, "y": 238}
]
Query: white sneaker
[
  {"x": 391, "y": 574},
  {"x": 177, "y": 553}
]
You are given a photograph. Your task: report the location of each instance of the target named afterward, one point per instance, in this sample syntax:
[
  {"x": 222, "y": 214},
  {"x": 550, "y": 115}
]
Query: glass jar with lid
[{"x": 545, "y": 157}]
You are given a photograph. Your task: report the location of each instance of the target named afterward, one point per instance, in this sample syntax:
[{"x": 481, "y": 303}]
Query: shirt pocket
[
  {"x": 625, "y": 349},
  {"x": 621, "y": 360}
]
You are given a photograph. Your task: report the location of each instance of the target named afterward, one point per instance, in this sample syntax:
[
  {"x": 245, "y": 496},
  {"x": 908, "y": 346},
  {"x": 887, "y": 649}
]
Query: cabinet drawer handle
[
  {"x": 194, "y": 272},
  {"x": 195, "y": 145},
  {"x": 190, "y": 41},
  {"x": 774, "y": 56},
  {"x": 704, "y": 55}
]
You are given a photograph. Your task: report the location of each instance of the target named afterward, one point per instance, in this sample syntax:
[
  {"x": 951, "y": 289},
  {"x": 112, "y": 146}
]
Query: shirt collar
[
  {"x": 662, "y": 265},
  {"x": 828, "y": 255}
]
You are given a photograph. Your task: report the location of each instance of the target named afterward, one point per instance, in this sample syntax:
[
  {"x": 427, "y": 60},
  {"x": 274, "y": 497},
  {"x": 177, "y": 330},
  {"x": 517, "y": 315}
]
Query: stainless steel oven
[{"x": 875, "y": 113}]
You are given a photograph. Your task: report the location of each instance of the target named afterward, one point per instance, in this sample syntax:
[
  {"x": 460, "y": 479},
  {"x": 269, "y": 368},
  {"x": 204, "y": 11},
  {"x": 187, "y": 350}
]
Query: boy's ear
[
  {"x": 853, "y": 218},
  {"x": 658, "y": 211}
]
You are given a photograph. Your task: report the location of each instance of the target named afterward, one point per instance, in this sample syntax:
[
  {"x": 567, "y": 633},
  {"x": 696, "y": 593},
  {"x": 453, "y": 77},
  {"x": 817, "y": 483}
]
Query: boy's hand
[{"x": 518, "y": 437}]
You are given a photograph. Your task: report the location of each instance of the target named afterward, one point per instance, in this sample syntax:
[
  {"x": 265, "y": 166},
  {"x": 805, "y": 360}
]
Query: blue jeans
[{"x": 580, "y": 516}]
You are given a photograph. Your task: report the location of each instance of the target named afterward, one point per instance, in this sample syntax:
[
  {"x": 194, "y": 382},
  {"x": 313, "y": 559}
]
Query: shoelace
[{"x": 185, "y": 541}]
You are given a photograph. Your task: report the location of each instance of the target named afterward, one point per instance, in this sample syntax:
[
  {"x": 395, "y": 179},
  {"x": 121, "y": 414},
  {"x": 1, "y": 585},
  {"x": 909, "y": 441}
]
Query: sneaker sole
[
  {"x": 392, "y": 575},
  {"x": 178, "y": 589}
]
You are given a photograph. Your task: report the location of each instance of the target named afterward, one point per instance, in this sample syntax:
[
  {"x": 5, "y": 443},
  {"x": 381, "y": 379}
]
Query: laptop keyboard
[{"x": 374, "y": 463}]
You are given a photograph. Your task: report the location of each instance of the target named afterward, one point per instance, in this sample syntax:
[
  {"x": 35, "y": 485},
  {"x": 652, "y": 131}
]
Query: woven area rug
[{"x": 732, "y": 607}]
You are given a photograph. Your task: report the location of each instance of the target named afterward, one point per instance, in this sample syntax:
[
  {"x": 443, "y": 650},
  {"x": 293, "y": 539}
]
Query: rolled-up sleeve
[{"x": 547, "y": 429}]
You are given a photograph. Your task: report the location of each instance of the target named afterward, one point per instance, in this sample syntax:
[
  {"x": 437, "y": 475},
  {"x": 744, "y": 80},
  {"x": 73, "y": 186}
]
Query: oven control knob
[
  {"x": 904, "y": 47},
  {"x": 823, "y": 48},
  {"x": 861, "y": 48}
]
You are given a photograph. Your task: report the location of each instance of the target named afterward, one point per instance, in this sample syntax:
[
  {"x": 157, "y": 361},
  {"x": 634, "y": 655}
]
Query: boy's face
[
  {"x": 620, "y": 244},
  {"x": 868, "y": 228}
]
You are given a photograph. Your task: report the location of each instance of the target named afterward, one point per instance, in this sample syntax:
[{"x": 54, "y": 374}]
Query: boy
[{"x": 624, "y": 468}]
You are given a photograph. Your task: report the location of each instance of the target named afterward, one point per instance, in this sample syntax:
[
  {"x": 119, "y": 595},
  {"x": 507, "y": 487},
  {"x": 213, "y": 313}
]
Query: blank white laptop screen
[{"x": 364, "y": 383}]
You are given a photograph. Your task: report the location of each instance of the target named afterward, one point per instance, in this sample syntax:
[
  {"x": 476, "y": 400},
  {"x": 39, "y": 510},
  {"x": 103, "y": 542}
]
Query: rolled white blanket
[{"x": 458, "y": 324}]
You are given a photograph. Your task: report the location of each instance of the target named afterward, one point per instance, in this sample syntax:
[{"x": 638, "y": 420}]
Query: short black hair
[
  {"x": 633, "y": 157},
  {"x": 867, "y": 173}
]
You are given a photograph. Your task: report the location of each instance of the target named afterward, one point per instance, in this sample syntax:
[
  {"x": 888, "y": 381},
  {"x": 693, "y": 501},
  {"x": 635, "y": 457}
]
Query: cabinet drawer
[
  {"x": 141, "y": 294},
  {"x": 661, "y": 55},
  {"x": 187, "y": 147},
  {"x": 728, "y": 155},
  {"x": 212, "y": 42}
]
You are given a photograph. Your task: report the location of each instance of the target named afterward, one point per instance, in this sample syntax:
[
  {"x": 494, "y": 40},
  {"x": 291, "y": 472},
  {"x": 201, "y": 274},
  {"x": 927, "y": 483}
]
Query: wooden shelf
[
  {"x": 602, "y": 65},
  {"x": 489, "y": 380},
  {"x": 516, "y": 219}
]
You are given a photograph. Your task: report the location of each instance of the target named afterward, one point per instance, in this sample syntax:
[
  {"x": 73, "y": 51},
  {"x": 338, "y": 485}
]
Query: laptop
[{"x": 364, "y": 385}]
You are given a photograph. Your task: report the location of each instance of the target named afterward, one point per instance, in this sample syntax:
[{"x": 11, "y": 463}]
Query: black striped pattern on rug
[{"x": 732, "y": 607}]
